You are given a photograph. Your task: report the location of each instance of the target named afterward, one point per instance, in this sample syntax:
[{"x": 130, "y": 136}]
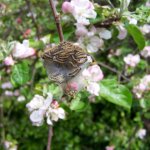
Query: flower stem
[
  {"x": 50, "y": 134},
  {"x": 2, "y": 131},
  {"x": 57, "y": 20}
]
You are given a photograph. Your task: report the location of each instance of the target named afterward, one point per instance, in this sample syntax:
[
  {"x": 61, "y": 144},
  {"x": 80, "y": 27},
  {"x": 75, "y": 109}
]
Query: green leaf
[
  {"x": 77, "y": 105},
  {"x": 37, "y": 44},
  {"x": 145, "y": 103},
  {"x": 137, "y": 35},
  {"x": 20, "y": 74},
  {"x": 116, "y": 93}
]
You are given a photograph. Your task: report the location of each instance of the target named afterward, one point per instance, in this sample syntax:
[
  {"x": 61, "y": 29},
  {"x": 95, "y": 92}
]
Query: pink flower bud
[
  {"x": 27, "y": 33},
  {"x": 110, "y": 147},
  {"x": 19, "y": 20},
  {"x": 93, "y": 73},
  {"x": 81, "y": 30},
  {"x": 8, "y": 61},
  {"x": 72, "y": 87},
  {"x": 67, "y": 7},
  {"x": 54, "y": 104}
]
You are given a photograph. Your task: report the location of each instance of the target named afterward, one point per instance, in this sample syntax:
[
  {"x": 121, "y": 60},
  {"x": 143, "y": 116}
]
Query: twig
[
  {"x": 2, "y": 131},
  {"x": 50, "y": 134},
  {"x": 57, "y": 20},
  {"x": 113, "y": 70},
  {"x": 61, "y": 37},
  {"x": 33, "y": 18}
]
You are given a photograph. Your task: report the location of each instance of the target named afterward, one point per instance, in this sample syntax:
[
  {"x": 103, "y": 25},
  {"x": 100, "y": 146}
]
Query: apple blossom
[
  {"x": 81, "y": 10},
  {"x": 93, "y": 88},
  {"x": 91, "y": 43},
  {"x": 146, "y": 52},
  {"x": 23, "y": 50},
  {"x": 8, "y": 61},
  {"x": 93, "y": 73},
  {"x": 143, "y": 86},
  {"x": 67, "y": 7},
  {"x": 132, "y": 20},
  {"x": 122, "y": 32},
  {"x": 6, "y": 85},
  {"x": 8, "y": 93},
  {"x": 41, "y": 108},
  {"x": 141, "y": 133},
  {"x": 54, "y": 113},
  {"x": 21, "y": 98},
  {"x": 37, "y": 117},
  {"x": 132, "y": 60},
  {"x": 139, "y": 89},
  {"x": 145, "y": 29},
  {"x": 35, "y": 103},
  {"x": 104, "y": 33},
  {"x": 81, "y": 30}
]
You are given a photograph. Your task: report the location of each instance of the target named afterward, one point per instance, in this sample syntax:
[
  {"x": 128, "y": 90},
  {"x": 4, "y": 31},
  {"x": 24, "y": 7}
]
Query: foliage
[{"x": 114, "y": 117}]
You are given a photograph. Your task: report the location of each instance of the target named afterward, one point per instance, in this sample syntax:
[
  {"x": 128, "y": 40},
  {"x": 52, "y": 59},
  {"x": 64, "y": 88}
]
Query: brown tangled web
[{"x": 68, "y": 56}]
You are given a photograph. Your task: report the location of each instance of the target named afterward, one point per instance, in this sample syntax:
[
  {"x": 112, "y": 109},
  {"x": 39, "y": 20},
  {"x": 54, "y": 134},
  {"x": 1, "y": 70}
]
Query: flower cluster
[
  {"x": 88, "y": 78},
  {"x": 23, "y": 50},
  {"x": 39, "y": 107},
  {"x": 92, "y": 75},
  {"x": 19, "y": 51},
  {"x": 81, "y": 10},
  {"x": 143, "y": 86},
  {"x": 92, "y": 40},
  {"x": 132, "y": 60}
]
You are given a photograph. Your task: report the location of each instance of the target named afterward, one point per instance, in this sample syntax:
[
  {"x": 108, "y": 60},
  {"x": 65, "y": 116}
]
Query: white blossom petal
[
  {"x": 105, "y": 34},
  {"x": 36, "y": 103},
  {"x": 37, "y": 117}
]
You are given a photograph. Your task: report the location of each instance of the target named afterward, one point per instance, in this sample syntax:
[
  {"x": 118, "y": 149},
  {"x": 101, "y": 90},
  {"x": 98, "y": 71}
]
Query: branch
[
  {"x": 33, "y": 19},
  {"x": 50, "y": 134},
  {"x": 57, "y": 20},
  {"x": 2, "y": 131},
  {"x": 61, "y": 37},
  {"x": 113, "y": 70}
]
